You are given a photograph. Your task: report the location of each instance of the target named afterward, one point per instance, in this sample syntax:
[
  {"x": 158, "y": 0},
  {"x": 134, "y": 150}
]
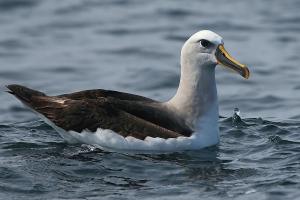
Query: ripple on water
[
  {"x": 8, "y": 6},
  {"x": 245, "y": 153}
]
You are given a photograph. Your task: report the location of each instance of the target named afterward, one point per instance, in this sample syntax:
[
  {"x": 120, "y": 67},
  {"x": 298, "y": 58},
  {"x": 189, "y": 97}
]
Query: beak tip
[{"x": 247, "y": 73}]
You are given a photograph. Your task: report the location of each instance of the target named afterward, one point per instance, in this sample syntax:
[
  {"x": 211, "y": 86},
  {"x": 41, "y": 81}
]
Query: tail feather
[{"x": 23, "y": 93}]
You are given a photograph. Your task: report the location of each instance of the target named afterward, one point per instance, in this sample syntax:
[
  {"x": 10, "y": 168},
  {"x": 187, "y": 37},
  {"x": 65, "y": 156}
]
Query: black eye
[{"x": 204, "y": 43}]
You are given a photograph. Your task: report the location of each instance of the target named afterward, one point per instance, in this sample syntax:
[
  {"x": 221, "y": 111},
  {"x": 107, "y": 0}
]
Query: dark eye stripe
[{"x": 205, "y": 43}]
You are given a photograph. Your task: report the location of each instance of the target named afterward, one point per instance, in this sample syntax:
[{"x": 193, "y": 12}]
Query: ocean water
[{"x": 60, "y": 46}]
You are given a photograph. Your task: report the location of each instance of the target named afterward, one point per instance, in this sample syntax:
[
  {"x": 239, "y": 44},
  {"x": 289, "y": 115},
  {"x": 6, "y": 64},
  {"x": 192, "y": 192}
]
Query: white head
[
  {"x": 204, "y": 50},
  {"x": 197, "y": 94}
]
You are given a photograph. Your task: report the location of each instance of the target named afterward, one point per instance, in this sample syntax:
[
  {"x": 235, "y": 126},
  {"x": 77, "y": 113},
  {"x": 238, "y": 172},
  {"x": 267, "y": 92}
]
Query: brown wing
[
  {"x": 88, "y": 110},
  {"x": 155, "y": 113},
  {"x": 100, "y": 93},
  {"x": 79, "y": 115}
]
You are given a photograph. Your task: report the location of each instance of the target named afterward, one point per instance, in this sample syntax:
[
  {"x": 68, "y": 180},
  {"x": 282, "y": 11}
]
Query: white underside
[{"x": 107, "y": 139}]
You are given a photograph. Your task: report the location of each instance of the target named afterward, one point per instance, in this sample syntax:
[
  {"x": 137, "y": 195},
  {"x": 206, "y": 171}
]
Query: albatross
[{"x": 122, "y": 121}]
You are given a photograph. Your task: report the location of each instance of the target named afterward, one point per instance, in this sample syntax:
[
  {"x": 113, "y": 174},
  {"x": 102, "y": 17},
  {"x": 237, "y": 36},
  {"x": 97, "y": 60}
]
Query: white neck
[{"x": 196, "y": 100}]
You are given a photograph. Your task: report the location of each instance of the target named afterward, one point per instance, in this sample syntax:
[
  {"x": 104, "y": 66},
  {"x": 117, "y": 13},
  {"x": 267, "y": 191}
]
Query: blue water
[{"x": 62, "y": 46}]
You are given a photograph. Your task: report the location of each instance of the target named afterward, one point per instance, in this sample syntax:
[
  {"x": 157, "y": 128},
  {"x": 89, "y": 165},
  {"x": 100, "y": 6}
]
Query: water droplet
[
  {"x": 236, "y": 119},
  {"x": 237, "y": 111}
]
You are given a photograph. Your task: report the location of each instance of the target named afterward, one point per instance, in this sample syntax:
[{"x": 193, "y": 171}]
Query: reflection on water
[{"x": 134, "y": 46}]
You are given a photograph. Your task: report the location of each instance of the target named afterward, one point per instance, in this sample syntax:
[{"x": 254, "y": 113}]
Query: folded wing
[{"x": 125, "y": 114}]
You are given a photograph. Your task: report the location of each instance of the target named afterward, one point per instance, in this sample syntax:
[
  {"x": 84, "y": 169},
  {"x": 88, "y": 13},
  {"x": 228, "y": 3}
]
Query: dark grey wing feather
[
  {"x": 100, "y": 93},
  {"x": 125, "y": 114},
  {"x": 155, "y": 113},
  {"x": 78, "y": 115}
]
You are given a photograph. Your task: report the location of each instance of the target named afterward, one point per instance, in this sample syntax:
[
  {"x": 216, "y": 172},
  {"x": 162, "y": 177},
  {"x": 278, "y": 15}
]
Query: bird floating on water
[{"x": 122, "y": 121}]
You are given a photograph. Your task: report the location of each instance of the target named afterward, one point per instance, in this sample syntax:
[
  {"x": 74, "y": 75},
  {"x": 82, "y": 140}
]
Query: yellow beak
[{"x": 225, "y": 59}]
